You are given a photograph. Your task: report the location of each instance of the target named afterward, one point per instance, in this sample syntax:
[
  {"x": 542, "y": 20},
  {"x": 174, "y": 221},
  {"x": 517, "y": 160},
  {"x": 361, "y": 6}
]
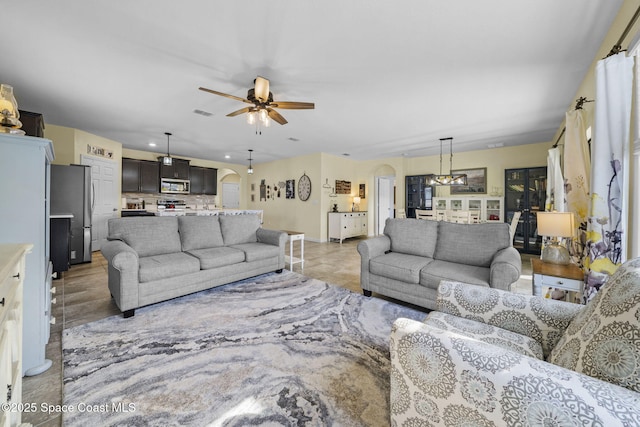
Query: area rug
[{"x": 277, "y": 349}]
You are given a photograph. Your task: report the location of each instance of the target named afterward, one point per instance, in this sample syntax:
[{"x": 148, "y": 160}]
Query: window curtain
[
  {"x": 606, "y": 239},
  {"x": 577, "y": 169},
  {"x": 555, "y": 182}
]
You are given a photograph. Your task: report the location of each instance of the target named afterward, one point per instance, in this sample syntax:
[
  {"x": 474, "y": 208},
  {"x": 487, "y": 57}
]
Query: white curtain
[
  {"x": 577, "y": 169},
  {"x": 606, "y": 238},
  {"x": 555, "y": 183}
]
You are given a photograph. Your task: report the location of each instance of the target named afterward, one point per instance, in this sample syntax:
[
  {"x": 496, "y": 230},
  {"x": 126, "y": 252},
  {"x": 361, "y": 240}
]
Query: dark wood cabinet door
[
  {"x": 149, "y": 176},
  {"x": 210, "y": 181},
  {"x": 130, "y": 175},
  {"x": 181, "y": 170},
  {"x": 197, "y": 180}
]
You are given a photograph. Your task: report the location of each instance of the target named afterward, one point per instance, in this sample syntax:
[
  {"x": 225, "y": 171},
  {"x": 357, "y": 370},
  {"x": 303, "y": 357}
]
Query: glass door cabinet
[{"x": 525, "y": 191}]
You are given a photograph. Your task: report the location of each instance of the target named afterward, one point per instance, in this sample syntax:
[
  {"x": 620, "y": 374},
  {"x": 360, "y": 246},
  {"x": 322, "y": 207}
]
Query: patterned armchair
[{"x": 493, "y": 358}]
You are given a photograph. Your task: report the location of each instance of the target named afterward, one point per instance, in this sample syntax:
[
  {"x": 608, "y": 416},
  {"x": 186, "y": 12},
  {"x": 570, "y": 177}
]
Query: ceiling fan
[{"x": 263, "y": 103}]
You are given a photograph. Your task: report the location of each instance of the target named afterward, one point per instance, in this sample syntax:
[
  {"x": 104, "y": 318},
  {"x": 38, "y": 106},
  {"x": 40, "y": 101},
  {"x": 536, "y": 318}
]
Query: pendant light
[
  {"x": 167, "y": 160},
  {"x": 447, "y": 179},
  {"x": 250, "y": 170}
]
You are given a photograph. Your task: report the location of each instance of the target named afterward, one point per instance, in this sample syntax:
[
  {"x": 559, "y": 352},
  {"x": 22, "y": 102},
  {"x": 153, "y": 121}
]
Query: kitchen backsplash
[{"x": 150, "y": 200}]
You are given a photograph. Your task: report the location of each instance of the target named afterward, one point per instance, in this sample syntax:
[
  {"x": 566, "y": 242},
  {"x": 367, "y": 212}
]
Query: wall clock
[{"x": 304, "y": 187}]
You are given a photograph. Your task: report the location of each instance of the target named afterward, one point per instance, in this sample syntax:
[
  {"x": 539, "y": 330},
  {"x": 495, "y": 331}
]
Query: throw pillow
[{"x": 603, "y": 341}]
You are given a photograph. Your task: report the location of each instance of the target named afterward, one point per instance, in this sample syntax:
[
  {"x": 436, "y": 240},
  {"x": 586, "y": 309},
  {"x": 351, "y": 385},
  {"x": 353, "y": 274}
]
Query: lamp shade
[
  {"x": 556, "y": 224},
  {"x": 356, "y": 200}
]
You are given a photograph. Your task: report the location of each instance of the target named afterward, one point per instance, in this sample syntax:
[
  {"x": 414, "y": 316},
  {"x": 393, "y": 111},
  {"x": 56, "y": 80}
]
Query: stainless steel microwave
[{"x": 174, "y": 186}]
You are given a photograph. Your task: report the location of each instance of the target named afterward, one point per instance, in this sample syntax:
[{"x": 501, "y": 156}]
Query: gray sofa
[
  {"x": 153, "y": 259},
  {"x": 410, "y": 259}
]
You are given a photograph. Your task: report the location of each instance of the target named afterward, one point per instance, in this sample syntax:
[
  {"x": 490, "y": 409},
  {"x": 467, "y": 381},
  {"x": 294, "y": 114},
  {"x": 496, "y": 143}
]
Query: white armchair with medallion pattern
[{"x": 494, "y": 358}]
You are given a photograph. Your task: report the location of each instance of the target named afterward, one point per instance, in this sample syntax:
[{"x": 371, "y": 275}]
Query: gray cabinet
[{"x": 24, "y": 218}]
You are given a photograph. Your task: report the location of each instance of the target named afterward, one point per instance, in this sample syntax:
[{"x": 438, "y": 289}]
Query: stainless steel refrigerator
[{"x": 71, "y": 194}]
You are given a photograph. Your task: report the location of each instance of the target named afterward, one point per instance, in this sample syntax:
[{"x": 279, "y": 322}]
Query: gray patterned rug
[{"x": 277, "y": 349}]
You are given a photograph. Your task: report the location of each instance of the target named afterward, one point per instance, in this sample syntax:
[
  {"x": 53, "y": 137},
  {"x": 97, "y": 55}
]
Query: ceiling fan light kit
[
  {"x": 263, "y": 109},
  {"x": 447, "y": 179},
  {"x": 250, "y": 169}
]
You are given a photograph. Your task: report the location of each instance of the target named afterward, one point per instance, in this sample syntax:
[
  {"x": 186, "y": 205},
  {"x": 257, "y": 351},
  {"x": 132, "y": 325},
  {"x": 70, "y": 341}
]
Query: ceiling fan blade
[
  {"x": 215, "y": 92},
  {"x": 240, "y": 111},
  {"x": 277, "y": 117},
  {"x": 261, "y": 89},
  {"x": 288, "y": 105}
]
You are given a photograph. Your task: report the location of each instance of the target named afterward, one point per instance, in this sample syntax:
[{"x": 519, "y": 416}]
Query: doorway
[
  {"x": 230, "y": 195},
  {"x": 384, "y": 201},
  {"x": 104, "y": 196}
]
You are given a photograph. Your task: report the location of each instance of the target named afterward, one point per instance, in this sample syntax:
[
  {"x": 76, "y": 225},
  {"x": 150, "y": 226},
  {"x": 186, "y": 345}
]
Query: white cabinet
[
  {"x": 343, "y": 225},
  {"x": 25, "y": 173},
  {"x": 487, "y": 209},
  {"x": 12, "y": 271}
]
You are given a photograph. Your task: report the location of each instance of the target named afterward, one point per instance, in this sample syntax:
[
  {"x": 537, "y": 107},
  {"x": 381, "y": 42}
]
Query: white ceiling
[{"x": 389, "y": 78}]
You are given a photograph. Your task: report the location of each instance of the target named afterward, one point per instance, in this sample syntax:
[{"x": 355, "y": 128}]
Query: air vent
[{"x": 203, "y": 113}]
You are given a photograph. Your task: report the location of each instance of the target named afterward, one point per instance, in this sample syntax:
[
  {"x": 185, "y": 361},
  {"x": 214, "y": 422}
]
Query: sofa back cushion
[
  {"x": 603, "y": 341},
  {"x": 471, "y": 244},
  {"x": 150, "y": 235},
  {"x": 237, "y": 229},
  {"x": 412, "y": 236},
  {"x": 200, "y": 232}
]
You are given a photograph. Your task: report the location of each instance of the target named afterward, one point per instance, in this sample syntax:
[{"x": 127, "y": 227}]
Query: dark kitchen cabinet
[
  {"x": 32, "y": 123},
  {"x": 418, "y": 194},
  {"x": 140, "y": 176},
  {"x": 60, "y": 247},
  {"x": 178, "y": 169},
  {"x": 203, "y": 180},
  {"x": 525, "y": 192}
]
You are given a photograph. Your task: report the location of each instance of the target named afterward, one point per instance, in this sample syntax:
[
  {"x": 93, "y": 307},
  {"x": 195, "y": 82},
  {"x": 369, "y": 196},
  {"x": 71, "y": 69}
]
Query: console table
[
  {"x": 293, "y": 236},
  {"x": 343, "y": 225},
  {"x": 566, "y": 277}
]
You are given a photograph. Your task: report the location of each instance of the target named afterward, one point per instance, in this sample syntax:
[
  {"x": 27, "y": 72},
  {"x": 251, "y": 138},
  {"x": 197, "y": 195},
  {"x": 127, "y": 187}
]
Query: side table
[
  {"x": 293, "y": 236},
  {"x": 566, "y": 277}
]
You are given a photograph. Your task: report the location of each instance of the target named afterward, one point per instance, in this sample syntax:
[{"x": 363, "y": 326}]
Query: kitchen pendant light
[
  {"x": 167, "y": 160},
  {"x": 250, "y": 170},
  {"x": 447, "y": 179}
]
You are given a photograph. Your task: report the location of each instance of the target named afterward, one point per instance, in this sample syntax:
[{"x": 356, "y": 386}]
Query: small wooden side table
[
  {"x": 566, "y": 277},
  {"x": 293, "y": 236}
]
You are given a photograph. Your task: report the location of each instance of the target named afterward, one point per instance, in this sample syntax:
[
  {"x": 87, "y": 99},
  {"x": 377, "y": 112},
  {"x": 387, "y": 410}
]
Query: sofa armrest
[
  {"x": 123, "y": 266},
  {"x": 272, "y": 237},
  {"x": 442, "y": 378},
  {"x": 505, "y": 269},
  {"x": 369, "y": 249},
  {"x": 542, "y": 319}
]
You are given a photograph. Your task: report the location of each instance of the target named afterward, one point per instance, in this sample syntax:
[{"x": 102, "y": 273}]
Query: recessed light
[
  {"x": 346, "y": 154},
  {"x": 226, "y": 156},
  {"x": 293, "y": 139},
  {"x": 152, "y": 144}
]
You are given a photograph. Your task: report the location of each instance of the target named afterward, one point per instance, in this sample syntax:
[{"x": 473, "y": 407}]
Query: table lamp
[
  {"x": 356, "y": 204},
  {"x": 556, "y": 225}
]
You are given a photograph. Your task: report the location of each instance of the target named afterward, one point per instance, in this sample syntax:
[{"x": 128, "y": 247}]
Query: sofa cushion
[
  {"x": 403, "y": 267},
  {"x": 486, "y": 333},
  {"x": 258, "y": 251},
  {"x": 603, "y": 341},
  {"x": 443, "y": 270},
  {"x": 471, "y": 244},
  {"x": 147, "y": 236},
  {"x": 217, "y": 257},
  {"x": 237, "y": 229},
  {"x": 412, "y": 236},
  {"x": 168, "y": 265},
  {"x": 199, "y": 232}
]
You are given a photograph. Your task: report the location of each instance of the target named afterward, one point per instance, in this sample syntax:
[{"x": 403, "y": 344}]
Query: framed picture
[
  {"x": 290, "y": 192},
  {"x": 362, "y": 191},
  {"x": 476, "y": 181}
]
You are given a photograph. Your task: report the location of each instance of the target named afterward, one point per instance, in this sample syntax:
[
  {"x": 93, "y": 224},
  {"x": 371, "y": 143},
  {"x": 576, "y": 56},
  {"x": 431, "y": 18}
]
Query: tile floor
[{"x": 82, "y": 297}]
